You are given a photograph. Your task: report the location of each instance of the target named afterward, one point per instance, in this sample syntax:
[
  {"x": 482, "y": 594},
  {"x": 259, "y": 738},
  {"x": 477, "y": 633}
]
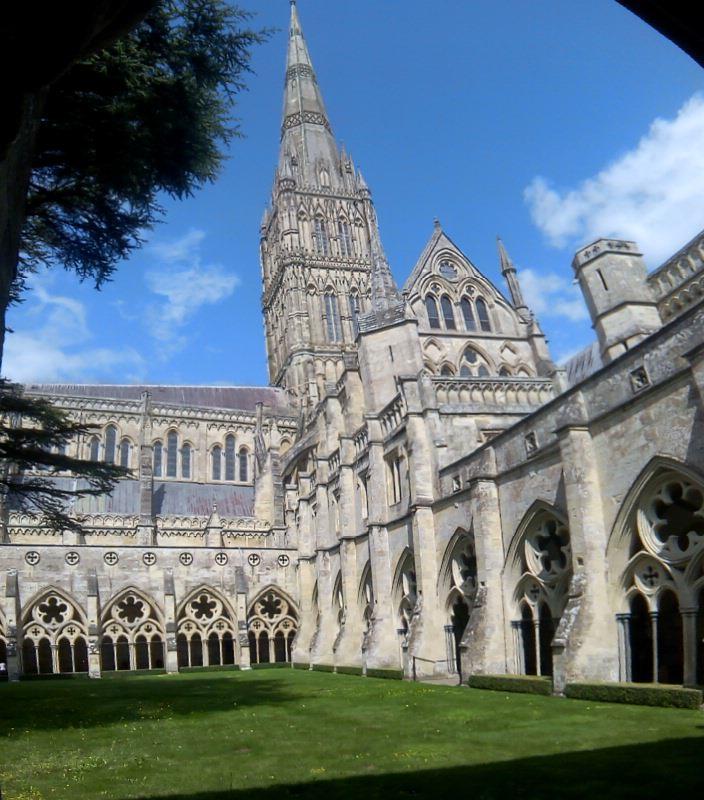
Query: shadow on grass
[
  {"x": 56, "y": 705},
  {"x": 670, "y": 768}
]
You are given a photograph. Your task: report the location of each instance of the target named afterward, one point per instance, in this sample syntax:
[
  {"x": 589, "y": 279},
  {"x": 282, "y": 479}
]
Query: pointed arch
[
  {"x": 133, "y": 632},
  {"x": 272, "y": 623},
  {"x": 206, "y": 629}
]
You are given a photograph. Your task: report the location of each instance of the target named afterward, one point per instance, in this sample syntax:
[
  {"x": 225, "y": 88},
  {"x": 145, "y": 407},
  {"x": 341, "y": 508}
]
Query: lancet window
[
  {"x": 541, "y": 592},
  {"x": 94, "y": 448},
  {"x": 431, "y": 308},
  {"x": 171, "y": 454},
  {"x": 230, "y": 457},
  {"x": 354, "y": 312},
  {"x": 470, "y": 323},
  {"x": 448, "y": 313},
  {"x": 345, "y": 237},
  {"x": 483, "y": 314},
  {"x": 216, "y": 462},
  {"x": 158, "y": 456},
  {"x": 661, "y": 621},
  {"x": 133, "y": 634},
  {"x": 272, "y": 626},
  {"x": 473, "y": 364},
  {"x": 206, "y": 631},
  {"x": 110, "y": 443},
  {"x": 332, "y": 318},
  {"x": 125, "y": 453},
  {"x": 55, "y": 636},
  {"x": 320, "y": 236},
  {"x": 186, "y": 451},
  {"x": 243, "y": 457}
]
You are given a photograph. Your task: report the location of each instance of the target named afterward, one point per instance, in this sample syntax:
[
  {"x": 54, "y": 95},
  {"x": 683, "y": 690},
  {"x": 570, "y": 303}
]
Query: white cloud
[
  {"x": 57, "y": 349},
  {"x": 184, "y": 285},
  {"x": 552, "y": 295},
  {"x": 653, "y": 194}
]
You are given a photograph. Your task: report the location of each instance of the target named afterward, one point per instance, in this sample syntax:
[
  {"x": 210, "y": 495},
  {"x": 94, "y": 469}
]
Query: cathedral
[{"x": 420, "y": 488}]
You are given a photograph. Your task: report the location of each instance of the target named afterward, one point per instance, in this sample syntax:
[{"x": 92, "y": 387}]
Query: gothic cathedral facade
[{"x": 420, "y": 488}]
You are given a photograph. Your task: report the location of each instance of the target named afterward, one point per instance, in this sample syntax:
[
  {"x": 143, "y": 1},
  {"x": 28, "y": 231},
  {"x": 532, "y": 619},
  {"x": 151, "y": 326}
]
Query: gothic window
[
  {"x": 110, "y": 442},
  {"x": 345, "y": 237},
  {"x": 406, "y": 597},
  {"x": 541, "y": 593},
  {"x": 448, "y": 313},
  {"x": 332, "y": 318},
  {"x": 125, "y": 453},
  {"x": 171, "y": 454},
  {"x": 186, "y": 461},
  {"x": 216, "y": 466},
  {"x": 460, "y": 586},
  {"x": 230, "y": 457},
  {"x": 483, "y": 314},
  {"x": 394, "y": 464},
  {"x": 55, "y": 636},
  {"x": 504, "y": 371},
  {"x": 133, "y": 635},
  {"x": 158, "y": 453},
  {"x": 94, "y": 448},
  {"x": 206, "y": 631},
  {"x": 447, "y": 371},
  {"x": 272, "y": 626},
  {"x": 244, "y": 465},
  {"x": 320, "y": 236},
  {"x": 663, "y": 572},
  {"x": 473, "y": 365},
  {"x": 324, "y": 178},
  {"x": 470, "y": 323},
  {"x": 354, "y": 312},
  {"x": 431, "y": 308}
]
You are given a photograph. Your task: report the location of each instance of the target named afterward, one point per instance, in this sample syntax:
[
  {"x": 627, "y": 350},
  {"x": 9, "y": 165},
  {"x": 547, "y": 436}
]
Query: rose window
[
  {"x": 131, "y": 609},
  {"x": 548, "y": 550},
  {"x": 204, "y": 607},
  {"x": 671, "y": 522},
  {"x": 54, "y": 611},
  {"x": 270, "y": 606}
]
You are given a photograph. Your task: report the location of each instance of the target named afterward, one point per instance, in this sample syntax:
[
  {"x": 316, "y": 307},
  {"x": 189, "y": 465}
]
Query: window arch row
[
  {"x": 230, "y": 462},
  {"x": 172, "y": 456},
  {"x": 206, "y": 631},
  {"x": 443, "y": 312},
  {"x": 272, "y": 625}
]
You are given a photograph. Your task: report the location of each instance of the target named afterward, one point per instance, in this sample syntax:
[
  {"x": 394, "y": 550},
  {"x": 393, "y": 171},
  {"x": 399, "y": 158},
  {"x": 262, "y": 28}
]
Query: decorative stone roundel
[
  {"x": 149, "y": 559},
  {"x": 52, "y": 612},
  {"x": 32, "y": 558},
  {"x": 254, "y": 559},
  {"x": 111, "y": 558},
  {"x": 283, "y": 560},
  {"x": 72, "y": 558},
  {"x": 547, "y": 549},
  {"x": 186, "y": 559},
  {"x": 671, "y": 520},
  {"x": 221, "y": 559}
]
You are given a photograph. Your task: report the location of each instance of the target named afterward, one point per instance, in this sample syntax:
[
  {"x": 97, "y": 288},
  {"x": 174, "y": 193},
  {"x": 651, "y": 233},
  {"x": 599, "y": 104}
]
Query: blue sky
[{"x": 547, "y": 122}]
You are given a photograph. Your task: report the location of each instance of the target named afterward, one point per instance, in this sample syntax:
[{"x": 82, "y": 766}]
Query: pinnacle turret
[{"x": 508, "y": 270}]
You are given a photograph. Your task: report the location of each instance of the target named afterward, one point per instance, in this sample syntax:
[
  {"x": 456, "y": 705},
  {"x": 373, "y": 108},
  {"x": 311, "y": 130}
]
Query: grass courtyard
[{"x": 269, "y": 734}]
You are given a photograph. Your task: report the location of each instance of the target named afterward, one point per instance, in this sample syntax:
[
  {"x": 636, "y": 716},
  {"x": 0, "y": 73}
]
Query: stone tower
[{"x": 316, "y": 241}]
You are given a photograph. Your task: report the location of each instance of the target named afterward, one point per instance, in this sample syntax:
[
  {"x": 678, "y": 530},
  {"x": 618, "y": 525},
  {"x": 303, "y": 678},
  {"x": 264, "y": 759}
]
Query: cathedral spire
[
  {"x": 307, "y": 140},
  {"x": 508, "y": 270}
]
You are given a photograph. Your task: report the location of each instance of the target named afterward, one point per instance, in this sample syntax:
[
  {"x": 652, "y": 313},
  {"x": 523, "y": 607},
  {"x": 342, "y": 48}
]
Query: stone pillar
[
  {"x": 585, "y": 646},
  {"x": 306, "y": 623},
  {"x": 13, "y": 617},
  {"x": 483, "y": 647},
  {"x": 383, "y": 649},
  {"x": 624, "y": 647},
  {"x": 93, "y": 611},
  {"x": 171, "y": 653}
]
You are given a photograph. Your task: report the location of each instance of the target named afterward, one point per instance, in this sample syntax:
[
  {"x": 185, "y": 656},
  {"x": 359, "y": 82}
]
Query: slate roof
[{"x": 240, "y": 398}]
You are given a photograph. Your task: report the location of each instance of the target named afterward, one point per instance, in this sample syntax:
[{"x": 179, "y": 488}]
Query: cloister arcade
[{"x": 272, "y": 625}]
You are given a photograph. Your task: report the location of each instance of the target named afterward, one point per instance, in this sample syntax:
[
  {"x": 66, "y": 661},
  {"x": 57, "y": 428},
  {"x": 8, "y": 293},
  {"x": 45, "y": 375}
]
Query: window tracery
[
  {"x": 473, "y": 364},
  {"x": 272, "y": 626},
  {"x": 206, "y": 631},
  {"x": 133, "y": 636},
  {"x": 55, "y": 636}
]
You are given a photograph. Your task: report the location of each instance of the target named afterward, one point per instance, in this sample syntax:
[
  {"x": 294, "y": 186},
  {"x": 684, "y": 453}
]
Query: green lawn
[{"x": 283, "y": 733}]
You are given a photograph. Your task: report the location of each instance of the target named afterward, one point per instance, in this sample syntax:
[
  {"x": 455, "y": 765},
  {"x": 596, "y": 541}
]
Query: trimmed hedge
[
  {"x": 642, "y": 694},
  {"x": 301, "y": 665},
  {"x": 272, "y": 665},
  {"x": 323, "y": 668},
  {"x": 124, "y": 673},
  {"x": 393, "y": 674},
  {"x": 525, "y": 684},
  {"x": 349, "y": 671},
  {"x": 56, "y": 676},
  {"x": 213, "y": 668}
]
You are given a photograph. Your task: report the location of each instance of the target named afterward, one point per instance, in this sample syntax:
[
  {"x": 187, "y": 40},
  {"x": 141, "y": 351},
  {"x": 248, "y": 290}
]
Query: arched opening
[
  {"x": 263, "y": 649},
  {"x": 244, "y": 465},
  {"x": 29, "y": 657},
  {"x": 158, "y": 453},
  {"x": 230, "y": 458},
  {"x": 182, "y": 651},
  {"x": 280, "y": 647},
  {"x": 125, "y": 453},
  {"x": 65, "y": 656},
  {"x": 80, "y": 655},
  {"x": 252, "y": 647},
  {"x": 468, "y": 315},
  {"x": 94, "y": 448},
  {"x": 448, "y": 313},
  {"x": 670, "y": 650},
  {"x": 214, "y": 650},
  {"x": 156, "y": 652},
  {"x": 530, "y": 666},
  {"x": 483, "y": 314},
  {"x": 459, "y": 621},
  {"x": 431, "y": 308},
  {"x": 171, "y": 454},
  {"x": 141, "y": 652},
  {"x": 122, "y": 653},
  {"x": 289, "y": 644},
  {"x": 46, "y": 663},
  {"x": 228, "y": 649},
  {"x": 546, "y": 628},
  {"x": 641, "y": 641},
  {"x": 110, "y": 442},
  {"x": 196, "y": 650},
  {"x": 216, "y": 463},
  {"x": 186, "y": 461},
  {"x": 107, "y": 655}
]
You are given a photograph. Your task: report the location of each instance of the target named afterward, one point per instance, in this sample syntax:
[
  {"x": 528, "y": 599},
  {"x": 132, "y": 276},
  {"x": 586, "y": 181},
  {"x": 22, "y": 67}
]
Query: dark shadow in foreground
[{"x": 669, "y": 769}]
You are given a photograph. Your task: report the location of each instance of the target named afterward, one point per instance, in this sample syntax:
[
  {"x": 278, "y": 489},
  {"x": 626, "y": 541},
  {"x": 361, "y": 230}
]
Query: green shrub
[
  {"x": 125, "y": 673},
  {"x": 272, "y": 665},
  {"x": 59, "y": 676},
  {"x": 526, "y": 684},
  {"x": 213, "y": 668},
  {"x": 323, "y": 668},
  {"x": 642, "y": 694},
  {"x": 301, "y": 665},
  {"x": 350, "y": 671},
  {"x": 393, "y": 674}
]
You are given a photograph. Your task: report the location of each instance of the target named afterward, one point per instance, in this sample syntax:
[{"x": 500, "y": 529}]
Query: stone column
[
  {"x": 585, "y": 646},
  {"x": 689, "y": 632},
  {"x": 242, "y": 632},
  {"x": 483, "y": 648},
  {"x": 93, "y": 611},
  {"x": 306, "y": 623},
  {"x": 13, "y": 618},
  {"x": 170, "y": 654}
]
